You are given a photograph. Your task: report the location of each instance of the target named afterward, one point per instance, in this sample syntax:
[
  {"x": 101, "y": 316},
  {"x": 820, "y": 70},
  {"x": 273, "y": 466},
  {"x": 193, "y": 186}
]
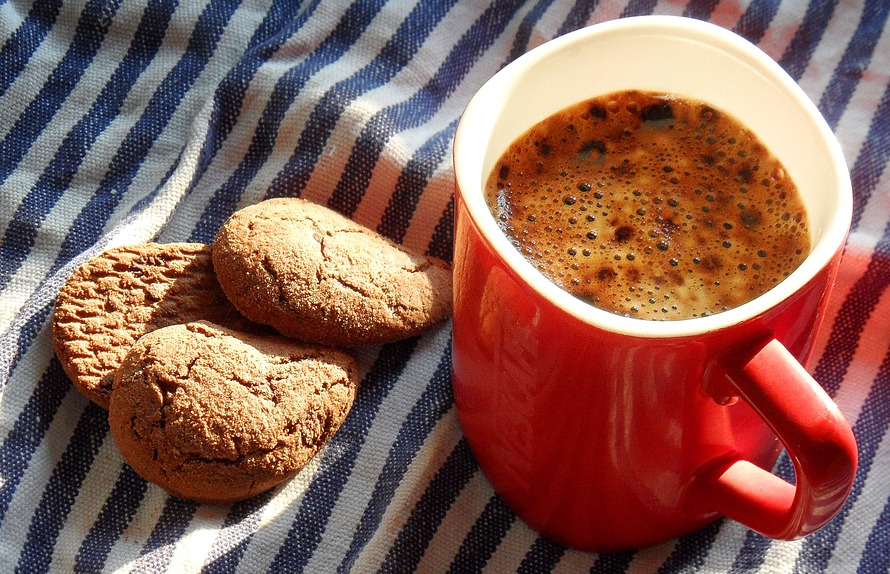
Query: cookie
[
  {"x": 216, "y": 416},
  {"x": 118, "y": 296},
  {"x": 315, "y": 275}
]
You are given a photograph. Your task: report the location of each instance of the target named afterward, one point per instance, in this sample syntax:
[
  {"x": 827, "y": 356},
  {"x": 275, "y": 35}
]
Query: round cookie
[
  {"x": 315, "y": 275},
  {"x": 118, "y": 296},
  {"x": 216, "y": 416}
]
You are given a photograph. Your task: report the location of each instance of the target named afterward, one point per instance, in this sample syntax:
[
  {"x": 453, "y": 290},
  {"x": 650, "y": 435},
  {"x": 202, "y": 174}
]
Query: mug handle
[{"x": 816, "y": 436}]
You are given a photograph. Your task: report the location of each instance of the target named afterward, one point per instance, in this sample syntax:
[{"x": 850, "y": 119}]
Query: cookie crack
[
  {"x": 241, "y": 456},
  {"x": 324, "y": 272},
  {"x": 191, "y": 365},
  {"x": 354, "y": 288},
  {"x": 275, "y": 284}
]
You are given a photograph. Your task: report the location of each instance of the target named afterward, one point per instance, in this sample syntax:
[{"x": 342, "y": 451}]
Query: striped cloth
[{"x": 123, "y": 122}]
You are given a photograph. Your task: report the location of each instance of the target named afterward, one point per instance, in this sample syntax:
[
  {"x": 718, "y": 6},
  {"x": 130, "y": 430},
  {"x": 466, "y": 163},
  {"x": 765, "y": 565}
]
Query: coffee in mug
[
  {"x": 604, "y": 432},
  {"x": 650, "y": 205}
]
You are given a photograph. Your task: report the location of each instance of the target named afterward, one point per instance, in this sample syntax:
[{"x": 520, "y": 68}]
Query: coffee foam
[{"x": 650, "y": 206}]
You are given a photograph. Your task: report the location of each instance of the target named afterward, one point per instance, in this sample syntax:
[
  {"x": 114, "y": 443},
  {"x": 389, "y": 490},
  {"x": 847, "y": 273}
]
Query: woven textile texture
[{"x": 154, "y": 120}]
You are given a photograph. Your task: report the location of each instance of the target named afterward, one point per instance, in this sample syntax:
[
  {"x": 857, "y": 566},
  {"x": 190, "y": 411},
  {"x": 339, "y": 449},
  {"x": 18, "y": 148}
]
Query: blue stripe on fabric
[
  {"x": 22, "y": 229},
  {"x": 755, "y": 21},
  {"x": 118, "y": 511},
  {"x": 612, "y": 563},
  {"x": 873, "y": 421},
  {"x": 855, "y": 61},
  {"x": 433, "y": 404},
  {"x": 326, "y": 487},
  {"x": 578, "y": 16},
  {"x": 751, "y": 556},
  {"x": 28, "y": 430},
  {"x": 484, "y": 537},
  {"x": 543, "y": 556},
  {"x": 89, "y": 32},
  {"x": 132, "y": 152},
  {"x": 412, "y": 182},
  {"x": 20, "y": 47},
  {"x": 26, "y": 335},
  {"x": 873, "y": 158},
  {"x": 57, "y": 176},
  {"x": 240, "y": 523},
  {"x": 419, "y": 108},
  {"x": 77, "y": 239},
  {"x": 526, "y": 28},
  {"x": 806, "y": 39},
  {"x": 168, "y": 530},
  {"x": 876, "y": 554},
  {"x": 700, "y": 9},
  {"x": 61, "y": 491},
  {"x": 394, "y": 56},
  {"x": 442, "y": 243},
  {"x": 638, "y": 8},
  {"x": 853, "y": 313},
  {"x": 441, "y": 492},
  {"x": 348, "y": 30},
  {"x": 277, "y": 26},
  {"x": 691, "y": 550}
]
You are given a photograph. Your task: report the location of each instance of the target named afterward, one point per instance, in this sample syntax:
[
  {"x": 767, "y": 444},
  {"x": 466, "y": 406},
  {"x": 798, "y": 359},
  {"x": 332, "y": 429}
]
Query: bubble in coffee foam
[{"x": 650, "y": 205}]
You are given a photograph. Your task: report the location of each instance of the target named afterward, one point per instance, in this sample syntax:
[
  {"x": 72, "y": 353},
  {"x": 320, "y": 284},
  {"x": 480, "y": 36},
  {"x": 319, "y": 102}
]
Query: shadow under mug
[{"x": 605, "y": 432}]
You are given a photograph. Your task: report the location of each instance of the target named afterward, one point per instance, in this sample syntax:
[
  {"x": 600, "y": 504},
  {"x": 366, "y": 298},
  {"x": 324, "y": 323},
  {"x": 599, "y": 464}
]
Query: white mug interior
[{"x": 667, "y": 54}]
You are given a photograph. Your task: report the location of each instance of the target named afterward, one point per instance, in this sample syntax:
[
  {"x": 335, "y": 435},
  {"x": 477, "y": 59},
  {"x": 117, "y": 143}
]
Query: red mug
[{"x": 604, "y": 432}]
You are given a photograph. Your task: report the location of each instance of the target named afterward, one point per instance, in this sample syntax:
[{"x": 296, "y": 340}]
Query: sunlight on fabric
[
  {"x": 873, "y": 346},
  {"x": 729, "y": 542},
  {"x": 190, "y": 552},
  {"x": 379, "y": 441},
  {"x": 88, "y": 505},
  {"x": 513, "y": 548},
  {"x": 13, "y": 533},
  {"x": 650, "y": 560},
  {"x": 816, "y": 77},
  {"x": 440, "y": 442},
  {"x": 457, "y": 523},
  {"x": 867, "y": 512},
  {"x": 277, "y": 516}
]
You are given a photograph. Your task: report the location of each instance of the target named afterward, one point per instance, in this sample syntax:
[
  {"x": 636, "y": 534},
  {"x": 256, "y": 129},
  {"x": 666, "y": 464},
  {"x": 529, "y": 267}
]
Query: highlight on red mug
[{"x": 604, "y": 432}]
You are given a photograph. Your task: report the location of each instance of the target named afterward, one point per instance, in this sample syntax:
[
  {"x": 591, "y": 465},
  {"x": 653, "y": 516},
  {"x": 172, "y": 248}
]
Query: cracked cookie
[
  {"x": 216, "y": 416},
  {"x": 118, "y": 296},
  {"x": 315, "y": 275}
]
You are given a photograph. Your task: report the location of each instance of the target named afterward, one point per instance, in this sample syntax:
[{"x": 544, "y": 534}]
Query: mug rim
[{"x": 466, "y": 146}]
